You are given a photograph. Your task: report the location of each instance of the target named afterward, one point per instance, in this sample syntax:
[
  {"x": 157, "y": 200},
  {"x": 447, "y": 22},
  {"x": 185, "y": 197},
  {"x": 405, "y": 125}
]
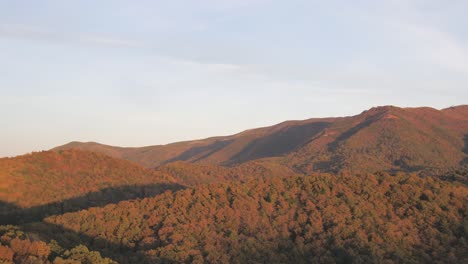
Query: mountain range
[
  {"x": 389, "y": 185},
  {"x": 383, "y": 138}
]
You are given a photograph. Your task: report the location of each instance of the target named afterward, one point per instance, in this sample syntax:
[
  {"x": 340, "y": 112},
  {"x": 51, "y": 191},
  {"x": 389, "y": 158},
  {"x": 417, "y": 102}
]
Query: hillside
[
  {"x": 19, "y": 246},
  {"x": 380, "y": 139},
  {"x": 319, "y": 218},
  {"x": 55, "y": 182},
  {"x": 192, "y": 174}
]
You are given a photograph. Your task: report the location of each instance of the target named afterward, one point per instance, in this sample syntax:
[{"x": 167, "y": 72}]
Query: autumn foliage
[
  {"x": 313, "y": 219},
  {"x": 45, "y": 177},
  {"x": 16, "y": 246}
]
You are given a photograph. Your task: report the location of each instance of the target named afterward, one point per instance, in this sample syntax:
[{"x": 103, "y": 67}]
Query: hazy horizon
[{"x": 154, "y": 72}]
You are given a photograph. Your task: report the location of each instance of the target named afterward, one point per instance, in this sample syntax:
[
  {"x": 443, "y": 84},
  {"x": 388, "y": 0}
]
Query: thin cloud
[
  {"x": 234, "y": 4},
  {"x": 108, "y": 41},
  {"x": 15, "y": 31},
  {"x": 26, "y": 32},
  {"x": 209, "y": 66}
]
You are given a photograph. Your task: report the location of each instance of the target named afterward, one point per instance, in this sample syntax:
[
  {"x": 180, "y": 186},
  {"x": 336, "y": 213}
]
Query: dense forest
[
  {"x": 20, "y": 247},
  {"x": 195, "y": 174},
  {"x": 46, "y": 177},
  {"x": 322, "y": 218},
  {"x": 39, "y": 184}
]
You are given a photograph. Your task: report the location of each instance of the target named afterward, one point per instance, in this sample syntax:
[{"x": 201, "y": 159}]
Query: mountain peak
[{"x": 380, "y": 110}]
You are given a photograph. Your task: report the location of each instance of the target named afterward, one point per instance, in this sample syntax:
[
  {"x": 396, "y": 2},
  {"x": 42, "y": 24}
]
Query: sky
[{"x": 147, "y": 72}]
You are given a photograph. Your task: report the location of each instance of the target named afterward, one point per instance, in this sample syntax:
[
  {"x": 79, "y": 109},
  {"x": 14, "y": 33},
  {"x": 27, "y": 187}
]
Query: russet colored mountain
[
  {"x": 380, "y": 139},
  {"x": 388, "y": 138}
]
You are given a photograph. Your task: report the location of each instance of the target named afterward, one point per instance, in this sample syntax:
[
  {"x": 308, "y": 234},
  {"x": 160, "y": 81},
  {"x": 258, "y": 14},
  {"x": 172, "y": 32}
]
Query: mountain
[
  {"x": 384, "y": 138},
  {"x": 389, "y": 139}
]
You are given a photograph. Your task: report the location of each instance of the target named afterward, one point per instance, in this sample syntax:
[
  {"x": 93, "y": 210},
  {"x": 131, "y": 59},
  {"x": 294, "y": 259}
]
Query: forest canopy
[{"x": 305, "y": 219}]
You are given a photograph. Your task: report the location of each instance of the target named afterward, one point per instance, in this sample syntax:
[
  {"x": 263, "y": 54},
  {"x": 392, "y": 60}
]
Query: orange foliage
[
  {"x": 368, "y": 218},
  {"x": 6, "y": 254}
]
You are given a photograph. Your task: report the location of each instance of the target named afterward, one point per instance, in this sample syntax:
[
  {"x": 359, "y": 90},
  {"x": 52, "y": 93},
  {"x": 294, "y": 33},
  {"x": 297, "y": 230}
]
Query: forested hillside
[
  {"x": 307, "y": 219},
  {"x": 44, "y": 183},
  {"x": 195, "y": 174}
]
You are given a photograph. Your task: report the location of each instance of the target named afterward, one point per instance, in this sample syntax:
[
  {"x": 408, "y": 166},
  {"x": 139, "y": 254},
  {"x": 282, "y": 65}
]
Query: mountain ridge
[{"x": 415, "y": 134}]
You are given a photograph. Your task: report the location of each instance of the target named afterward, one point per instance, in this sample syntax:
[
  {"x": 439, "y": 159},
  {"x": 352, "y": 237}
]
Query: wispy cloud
[
  {"x": 233, "y": 4},
  {"x": 17, "y": 31},
  {"x": 109, "y": 41},
  {"x": 215, "y": 67},
  {"x": 27, "y": 32}
]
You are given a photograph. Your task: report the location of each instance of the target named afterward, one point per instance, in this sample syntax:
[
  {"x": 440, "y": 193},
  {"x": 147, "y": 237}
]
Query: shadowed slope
[
  {"x": 11, "y": 214},
  {"x": 280, "y": 142},
  {"x": 22, "y": 245},
  {"x": 251, "y": 144},
  {"x": 465, "y": 149},
  {"x": 39, "y": 185}
]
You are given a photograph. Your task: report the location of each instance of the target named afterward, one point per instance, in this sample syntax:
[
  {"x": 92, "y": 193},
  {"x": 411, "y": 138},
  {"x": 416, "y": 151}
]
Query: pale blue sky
[{"x": 135, "y": 73}]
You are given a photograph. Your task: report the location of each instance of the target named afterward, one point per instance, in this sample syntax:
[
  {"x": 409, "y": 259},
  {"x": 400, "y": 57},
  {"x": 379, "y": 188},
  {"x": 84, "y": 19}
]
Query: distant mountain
[
  {"x": 384, "y": 138},
  {"x": 388, "y": 138}
]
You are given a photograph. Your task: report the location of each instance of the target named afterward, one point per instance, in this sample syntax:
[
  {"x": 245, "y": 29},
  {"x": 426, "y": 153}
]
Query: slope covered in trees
[
  {"x": 17, "y": 246},
  {"x": 194, "y": 174},
  {"x": 305, "y": 219},
  {"x": 55, "y": 182},
  {"x": 382, "y": 138}
]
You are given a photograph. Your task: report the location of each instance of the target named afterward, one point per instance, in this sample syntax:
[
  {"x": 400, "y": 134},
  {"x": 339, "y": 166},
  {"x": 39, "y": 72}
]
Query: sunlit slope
[
  {"x": 324, "y": 218},
  {"x": 383, "y": 138},
  {"x": 46, "y": 177}
]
